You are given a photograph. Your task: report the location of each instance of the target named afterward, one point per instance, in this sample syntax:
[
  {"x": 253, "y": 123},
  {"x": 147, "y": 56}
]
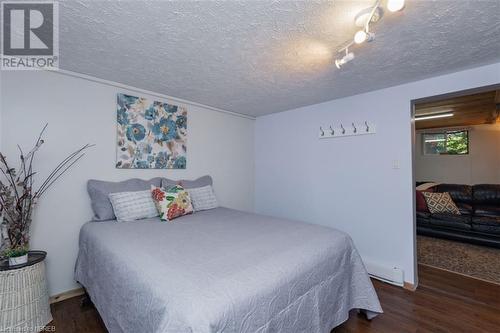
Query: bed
[{"x": 222, "y": 270}]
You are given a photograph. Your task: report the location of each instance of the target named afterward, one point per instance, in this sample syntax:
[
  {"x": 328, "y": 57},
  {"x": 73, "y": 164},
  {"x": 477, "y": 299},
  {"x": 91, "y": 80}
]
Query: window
[{"x": 446, "y": 143}]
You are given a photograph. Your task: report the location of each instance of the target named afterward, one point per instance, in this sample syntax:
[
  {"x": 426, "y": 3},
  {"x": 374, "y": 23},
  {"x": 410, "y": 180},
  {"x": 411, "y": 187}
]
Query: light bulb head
[
  {"x": 360, "y": 37},
  {"x": 363, "y": 36},
  {"x": 395, "y": 5}
]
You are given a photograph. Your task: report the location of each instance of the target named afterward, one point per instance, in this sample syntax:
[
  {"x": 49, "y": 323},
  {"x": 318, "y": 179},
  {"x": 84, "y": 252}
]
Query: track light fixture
[{"x": 363, "y": 19}]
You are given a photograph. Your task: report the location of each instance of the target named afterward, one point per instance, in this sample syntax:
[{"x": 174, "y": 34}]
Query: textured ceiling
[{"x": 259, "y": 57}]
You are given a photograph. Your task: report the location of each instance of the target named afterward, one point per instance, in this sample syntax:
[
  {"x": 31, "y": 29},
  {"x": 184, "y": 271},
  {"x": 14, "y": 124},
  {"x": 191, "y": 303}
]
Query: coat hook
[
  {"x": 322, "y": 132},
  {"x": 355, "y": 129},
  {"x": 332, "y": 132},
  {"x": 343, "y": 129},
  {"x": 367, "y": 127}
]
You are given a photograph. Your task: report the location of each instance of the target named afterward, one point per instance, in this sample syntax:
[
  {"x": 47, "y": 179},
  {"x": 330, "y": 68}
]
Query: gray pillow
[
  {"x": 187, "y": 184},
  {"x": 131, "y": 206},
  {"x": 166, "y": 183},
  {"x": 203, "y": 198},
  {"x": 99, "y": 191}
]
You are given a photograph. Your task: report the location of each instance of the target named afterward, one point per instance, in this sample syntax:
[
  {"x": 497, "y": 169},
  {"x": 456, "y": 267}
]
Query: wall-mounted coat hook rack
[{"x": 357, "y": 128}]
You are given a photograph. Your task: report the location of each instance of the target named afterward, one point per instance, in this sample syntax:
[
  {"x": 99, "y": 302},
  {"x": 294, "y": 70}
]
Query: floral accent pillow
[{"x": 172, "y": 202}]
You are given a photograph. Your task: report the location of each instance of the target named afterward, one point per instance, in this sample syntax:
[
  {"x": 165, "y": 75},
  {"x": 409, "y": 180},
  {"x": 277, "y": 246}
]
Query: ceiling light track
[{"x": 363, "y": 19}]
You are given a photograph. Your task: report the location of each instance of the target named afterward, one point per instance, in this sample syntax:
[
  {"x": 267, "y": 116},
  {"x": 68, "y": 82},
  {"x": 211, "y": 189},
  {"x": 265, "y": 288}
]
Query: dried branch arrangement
[{"x": 18, "y": 195}]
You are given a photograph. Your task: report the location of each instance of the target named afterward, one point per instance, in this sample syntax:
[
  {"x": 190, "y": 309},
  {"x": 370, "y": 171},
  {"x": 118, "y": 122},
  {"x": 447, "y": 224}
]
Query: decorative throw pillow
[
  {"x": 99, "y": 191},
  {"x": 172, "y": 202},
  {"x": 421, "y": 204},
  {"x": 130, "y": 206},
  {"x": 203, "y": 198},
  {"x": 440, "y": 203}
]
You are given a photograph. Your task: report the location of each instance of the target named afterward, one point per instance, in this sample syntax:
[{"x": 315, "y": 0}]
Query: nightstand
[{"x": 24, "y": 297}]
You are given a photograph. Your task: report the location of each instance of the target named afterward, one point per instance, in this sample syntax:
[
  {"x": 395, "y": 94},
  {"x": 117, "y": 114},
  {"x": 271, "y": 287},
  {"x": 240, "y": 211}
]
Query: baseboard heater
[{"x": 392, "y": 275}]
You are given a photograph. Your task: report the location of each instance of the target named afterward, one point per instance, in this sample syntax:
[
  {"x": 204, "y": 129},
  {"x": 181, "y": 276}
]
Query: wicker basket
[{"x": 24, "y": 299}]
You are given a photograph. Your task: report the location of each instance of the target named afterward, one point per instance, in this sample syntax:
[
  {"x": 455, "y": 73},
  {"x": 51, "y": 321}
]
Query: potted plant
[{"x": 18, "y": 198}]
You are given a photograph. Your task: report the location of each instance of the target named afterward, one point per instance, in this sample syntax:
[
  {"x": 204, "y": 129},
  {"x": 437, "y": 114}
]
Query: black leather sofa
[{"x": 479, "y": 222}]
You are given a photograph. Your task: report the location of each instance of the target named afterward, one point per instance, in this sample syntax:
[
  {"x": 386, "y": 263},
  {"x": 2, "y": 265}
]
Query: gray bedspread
[{"x": 222, "y": 270}]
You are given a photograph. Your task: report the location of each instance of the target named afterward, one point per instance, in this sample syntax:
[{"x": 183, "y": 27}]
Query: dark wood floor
[{"x": 443, "y": 302}]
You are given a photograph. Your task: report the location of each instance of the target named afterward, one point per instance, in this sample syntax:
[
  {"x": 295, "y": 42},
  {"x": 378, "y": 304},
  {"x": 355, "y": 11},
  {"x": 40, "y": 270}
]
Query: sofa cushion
[
  {"x": 423, "y": 219},
  {"x": 486, "y": 224},
  {"x": 451, "y": 220},
  {"x": 487, "y": 210},
  {"x": 465, "y": 209},
  {"x": 459, "y": 193},
  {"x": 423, "y": 215},
  {"x": 487, "y": 194}
]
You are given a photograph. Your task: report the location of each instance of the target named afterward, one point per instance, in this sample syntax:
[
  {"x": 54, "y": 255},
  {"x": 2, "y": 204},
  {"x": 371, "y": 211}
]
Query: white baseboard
[{"x": 392, "y": 275}]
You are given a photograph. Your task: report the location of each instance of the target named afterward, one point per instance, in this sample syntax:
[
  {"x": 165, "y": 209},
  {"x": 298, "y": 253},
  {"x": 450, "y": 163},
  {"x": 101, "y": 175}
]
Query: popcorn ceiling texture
[{"x": 262, "y": 57}]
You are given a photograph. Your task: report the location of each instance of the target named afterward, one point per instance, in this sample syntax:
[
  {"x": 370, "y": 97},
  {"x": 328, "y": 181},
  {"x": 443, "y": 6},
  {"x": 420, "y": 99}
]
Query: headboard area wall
[{"x": 82, "y": 110}]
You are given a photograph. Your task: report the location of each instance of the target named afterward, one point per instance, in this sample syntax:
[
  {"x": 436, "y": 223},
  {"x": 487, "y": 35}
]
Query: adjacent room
[
  {"x": 324, "y": 166},
  {"x": 457, "y": 171}
]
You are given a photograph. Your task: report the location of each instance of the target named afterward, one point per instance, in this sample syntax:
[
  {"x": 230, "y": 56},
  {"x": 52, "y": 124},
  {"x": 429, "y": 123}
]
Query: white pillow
[
  {"x": 203, "y": 198},
  {"x": 130, "y": 206}
]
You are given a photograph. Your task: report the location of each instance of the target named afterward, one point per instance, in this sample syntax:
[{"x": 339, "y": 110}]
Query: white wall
[
  {"x": 1, "y": 105},
  {"x": 481, "y": 165},
  {"x": 80, "y": 111},
  {"x": 349, "y": 183}
]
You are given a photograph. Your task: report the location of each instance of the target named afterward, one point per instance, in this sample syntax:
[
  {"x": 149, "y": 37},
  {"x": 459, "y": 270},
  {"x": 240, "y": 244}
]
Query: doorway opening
[{"x": 456, "y": 165}]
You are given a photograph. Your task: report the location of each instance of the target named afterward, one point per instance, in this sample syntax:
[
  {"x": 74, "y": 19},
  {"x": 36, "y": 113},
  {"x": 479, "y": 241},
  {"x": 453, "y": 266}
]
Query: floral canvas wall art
[{"x": 151, "y": 135}]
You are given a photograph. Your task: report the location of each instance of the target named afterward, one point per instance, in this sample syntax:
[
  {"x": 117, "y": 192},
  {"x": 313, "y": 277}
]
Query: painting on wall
[{"x": 151, "y": 135}]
